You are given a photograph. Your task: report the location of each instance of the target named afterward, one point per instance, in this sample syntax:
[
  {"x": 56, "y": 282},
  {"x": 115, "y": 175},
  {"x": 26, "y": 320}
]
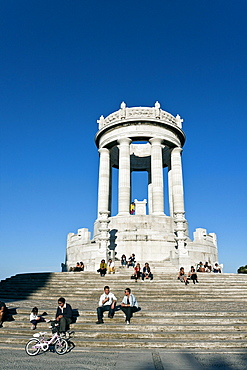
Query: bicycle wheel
[
  {"x": 61, "y": 346},
  {"x": 31, "y": 348}
]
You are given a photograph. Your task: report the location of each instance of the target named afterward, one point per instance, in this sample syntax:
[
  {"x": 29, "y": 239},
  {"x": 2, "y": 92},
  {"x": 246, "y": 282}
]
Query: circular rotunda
[{"x": 141, "y": 139}]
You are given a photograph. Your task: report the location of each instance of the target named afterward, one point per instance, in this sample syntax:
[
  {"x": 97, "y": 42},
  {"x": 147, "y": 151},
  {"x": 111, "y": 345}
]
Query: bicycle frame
[
  {"x": 44, "y": 344},
  {"x": 39, "y": 343}
]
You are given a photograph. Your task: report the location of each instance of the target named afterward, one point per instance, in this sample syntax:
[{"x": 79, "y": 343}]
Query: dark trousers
[
  {"x": 128, "y": 311},
  {"x": 35, "y": 322},
  {"x": 150, "y": 276},
  {"x": 194, "y": 277},
  {"x": 102, "y": 309},
  {"x": 64, "y": 324},
  {"x": 102, "y": 271}
]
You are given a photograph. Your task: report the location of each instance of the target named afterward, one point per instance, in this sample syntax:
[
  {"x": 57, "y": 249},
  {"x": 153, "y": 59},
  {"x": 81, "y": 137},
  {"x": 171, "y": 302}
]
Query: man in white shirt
[
  {"x": 107, "y": 302},
  {"x": 110, "y": 266},
  {"x": 129, "y": 305}
]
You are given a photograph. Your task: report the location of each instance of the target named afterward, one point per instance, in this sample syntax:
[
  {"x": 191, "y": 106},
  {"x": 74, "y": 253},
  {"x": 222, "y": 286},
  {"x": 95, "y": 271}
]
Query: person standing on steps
[
  {"x": 64, "y": 315},
  {"x": 129, "y": 305},
  {"x": 107, "y": 302}
]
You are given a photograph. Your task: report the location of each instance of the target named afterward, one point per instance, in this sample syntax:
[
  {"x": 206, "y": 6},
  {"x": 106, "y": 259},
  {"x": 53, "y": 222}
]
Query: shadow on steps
[{"x": 21, "y": 286}]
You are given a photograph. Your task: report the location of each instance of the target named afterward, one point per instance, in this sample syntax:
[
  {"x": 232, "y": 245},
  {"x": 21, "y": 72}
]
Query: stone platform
[{"x": 208, "y": 315}]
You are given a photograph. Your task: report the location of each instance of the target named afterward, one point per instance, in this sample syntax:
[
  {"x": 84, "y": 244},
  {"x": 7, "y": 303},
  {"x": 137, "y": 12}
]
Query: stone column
[
  {"x": 170, "y": 195},
  {"x": 157, "y": 176},
  {"x": 104, "y": 180},
  {"x": 150, "y": 193},
  {"x": 178, "y": 197},
  {"x": 124, "y": 176},
  {"x": 104, "y": 234}
]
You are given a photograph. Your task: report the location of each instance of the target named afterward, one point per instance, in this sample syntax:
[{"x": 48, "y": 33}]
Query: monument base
[{"x": 150, "y": 237}]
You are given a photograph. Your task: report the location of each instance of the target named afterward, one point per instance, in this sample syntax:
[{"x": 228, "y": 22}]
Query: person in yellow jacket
[{"x": 102, "y": 268}]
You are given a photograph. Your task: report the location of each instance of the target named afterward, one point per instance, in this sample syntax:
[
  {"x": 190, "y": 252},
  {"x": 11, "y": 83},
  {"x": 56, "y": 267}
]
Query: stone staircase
[{"x": 211, "y": 314}]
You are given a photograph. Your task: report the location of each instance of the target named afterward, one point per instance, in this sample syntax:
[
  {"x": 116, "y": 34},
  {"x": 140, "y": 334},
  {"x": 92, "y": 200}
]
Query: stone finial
[
  {"x": 179, "y": 120},
  {"x": 101, "y": 121},
  {"x": 157, "y": 109},
  {"x": 122, "y": 110}
]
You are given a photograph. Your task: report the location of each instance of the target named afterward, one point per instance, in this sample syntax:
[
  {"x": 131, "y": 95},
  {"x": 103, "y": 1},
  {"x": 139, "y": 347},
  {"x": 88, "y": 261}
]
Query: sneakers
[
  {"x": 110, "y": 316},
  {"x": 100, "y": 322},
  {"x": 46, "y": 320},
  {"x": 33, "y": 327},
  {"x": 127, "y": 322}
]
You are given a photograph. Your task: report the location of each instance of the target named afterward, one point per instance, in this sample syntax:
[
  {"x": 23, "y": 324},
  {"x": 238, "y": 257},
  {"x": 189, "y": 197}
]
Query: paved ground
[{"x": 92, "y": 359}]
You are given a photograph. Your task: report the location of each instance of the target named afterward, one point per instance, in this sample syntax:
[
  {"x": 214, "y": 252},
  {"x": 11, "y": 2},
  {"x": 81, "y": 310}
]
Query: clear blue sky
[{"x": 64, "y": 63}]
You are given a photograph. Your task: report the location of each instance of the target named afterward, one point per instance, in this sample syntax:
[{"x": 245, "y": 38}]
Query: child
[{"x": 34, "y": 318}]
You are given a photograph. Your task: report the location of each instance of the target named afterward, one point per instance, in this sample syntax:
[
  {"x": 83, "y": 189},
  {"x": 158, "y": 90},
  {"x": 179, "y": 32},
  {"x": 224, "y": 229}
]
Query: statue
[
  {"x": 157, "y": 109},
  {"x": 122, "y": 110}
]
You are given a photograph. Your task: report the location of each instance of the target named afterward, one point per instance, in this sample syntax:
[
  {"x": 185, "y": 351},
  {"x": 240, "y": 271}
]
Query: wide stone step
[
  {"x": 24, "y": 312},
  {"x": 142, "y": 326},
  {"x": 184, "y": 343}
]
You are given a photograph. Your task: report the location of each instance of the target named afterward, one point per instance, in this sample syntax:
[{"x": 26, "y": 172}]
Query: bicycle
[{"x": 35, "y": 345}]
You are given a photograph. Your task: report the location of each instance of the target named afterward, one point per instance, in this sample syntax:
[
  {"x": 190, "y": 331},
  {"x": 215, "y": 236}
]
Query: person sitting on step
[
  {"x": 182, "y": 277},
  {"x": 137, "y": 272},
  {"x": 107, "y": 302},
  {"x": 131, "y": 261},
  {"x": 35, "y": 318},
  {"x": 200, "y": 267},
  {"x": 193, "y": 275},
  {"x": 123, "y": 260},
  {"x": 207, "y": 267},
  {"x": 3, "y": 312},
  {"x": 81, "y": 266},
  {"x": 64, "y": 315},
  {"x": 129, "y": 305},
  {"x": 110, "y": 266},
  {"x": 102, "y": 268},
  {"x": 216, "y": 268},
  {"x": 146, "y": 272}
]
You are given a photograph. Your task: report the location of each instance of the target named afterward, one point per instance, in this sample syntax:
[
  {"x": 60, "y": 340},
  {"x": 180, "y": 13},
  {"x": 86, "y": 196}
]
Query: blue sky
[{"x": 64, "y": 63}]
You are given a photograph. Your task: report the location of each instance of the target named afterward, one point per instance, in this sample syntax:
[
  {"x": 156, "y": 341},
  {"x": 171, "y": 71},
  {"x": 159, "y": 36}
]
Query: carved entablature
[{"x": 140, "y": 113}]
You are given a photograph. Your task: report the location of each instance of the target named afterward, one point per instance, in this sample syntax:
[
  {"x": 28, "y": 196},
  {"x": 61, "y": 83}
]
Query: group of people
[
  {"x": 130, "y": 262},
  {"x": 143, "y": 273},
  {"x": 206, "y": 267},
  {"x": 108, "y": 300},
  {"x": 63, "y": 317},
  {"x": 108, "y": 267},
  {"x": 78, "y": 267},
  {"x": 192, "y": 275}
]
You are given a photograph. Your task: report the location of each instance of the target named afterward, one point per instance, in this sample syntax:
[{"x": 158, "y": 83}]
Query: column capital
[
  {"x": 103, "y": 150},
  {"x": 177, "y": 149},
  {"x": 155, "y": 140},
  {"x": 124, "y": 140}
]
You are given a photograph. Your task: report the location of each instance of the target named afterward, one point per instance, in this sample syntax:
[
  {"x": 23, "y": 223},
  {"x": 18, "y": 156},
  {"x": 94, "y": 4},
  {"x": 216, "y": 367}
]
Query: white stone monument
[{"x": 141, "y": 139}]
